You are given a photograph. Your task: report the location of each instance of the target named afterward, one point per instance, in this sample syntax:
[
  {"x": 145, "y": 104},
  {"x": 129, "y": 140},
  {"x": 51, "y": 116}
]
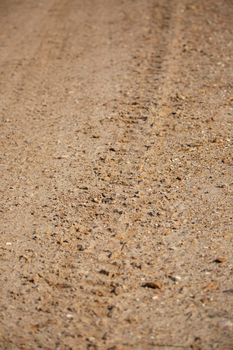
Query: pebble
[
  {"x": 152, "y": 285},
  {"x": 175, "y": 278},
  {"x": 219, "y": 260}
]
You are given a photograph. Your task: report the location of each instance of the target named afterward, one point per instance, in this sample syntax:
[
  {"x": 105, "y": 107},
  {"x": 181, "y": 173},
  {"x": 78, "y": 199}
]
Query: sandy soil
[{"x": 116, "y": 155}]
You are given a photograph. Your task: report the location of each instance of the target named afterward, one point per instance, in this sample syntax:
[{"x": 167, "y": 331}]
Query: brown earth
[{"x": 116, "y": 196}]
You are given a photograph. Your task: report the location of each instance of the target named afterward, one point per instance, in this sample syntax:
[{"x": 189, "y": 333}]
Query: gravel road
[{"x": 116, "y": 174}]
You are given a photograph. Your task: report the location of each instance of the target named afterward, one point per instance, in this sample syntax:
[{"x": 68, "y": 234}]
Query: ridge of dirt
[{"x": 116, "y": 199}]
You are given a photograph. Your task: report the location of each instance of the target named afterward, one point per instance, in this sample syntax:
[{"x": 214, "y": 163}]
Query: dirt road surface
[{"x": 116, "y": 174}]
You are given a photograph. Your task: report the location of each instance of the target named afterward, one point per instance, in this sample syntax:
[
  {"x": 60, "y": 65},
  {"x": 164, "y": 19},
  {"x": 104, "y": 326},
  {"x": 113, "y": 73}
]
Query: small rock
[
  {"x": 80, "y": 247},
  {"x": 219, "y": 260},
  {"x": 152, "y": 285},
  {"x": 104, "y": 272},
  {"x": 174, "y": 278},
  {"x": 228, "y": 291}
]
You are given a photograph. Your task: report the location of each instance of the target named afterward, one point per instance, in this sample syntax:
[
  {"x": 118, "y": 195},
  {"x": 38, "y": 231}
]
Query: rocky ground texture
[{"x": 116, "y": 174}]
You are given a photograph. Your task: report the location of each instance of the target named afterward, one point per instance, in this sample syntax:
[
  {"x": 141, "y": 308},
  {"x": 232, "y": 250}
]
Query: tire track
[{"x": 66, "y": 232}]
